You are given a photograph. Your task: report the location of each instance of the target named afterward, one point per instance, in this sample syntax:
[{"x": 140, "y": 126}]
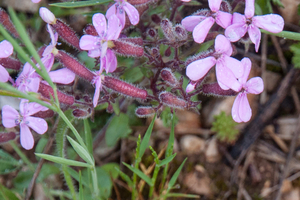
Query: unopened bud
[
  {"x": 172, "y": 100},
  {"x": 137, "y": 2},
  {"x": 203, "y": 12},
  {"x": 10, "y": 63},
  {"x": 124, "y": 88},
  {"x": 7, "y": 24},
  {"x": 110, "y": 109},
  {"x": 81, "y": 113},
  {"x": 168, "y": 52},
  {"x": 5, "y": 137},
  {"x": 156, "y": 19},
  {"x": 44, "y": 114},
  {"x": 225, "y": 6},
  {"x": 198, "y": 57},
  {"x": 134, "y": 40},
  {"x": 190, "y": 87},
  {"x": 74, "y": 65},
  {"x": 127, "y": 48},
  {"x": 90, "y": 30},
  {"x": 167, "y": 29},
  {"x": 47, "y": 16},
  {"x": 145, "y": 111},
  {"x": 168, "y": 76},
  {"x": 66, "y": 33},
  {"x": 46, "y": 91},
  {"x": 152, "y": 33},
  {"x": 180, "y": 32},
  {"x": 215, "y": 89}
]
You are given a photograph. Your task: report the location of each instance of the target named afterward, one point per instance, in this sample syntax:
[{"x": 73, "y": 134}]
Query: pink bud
[
  {"x": 145, "y": 111},
  {"x": 110, "y": 109},
  {"x": 8, "y": 25},
  {"x": 74, "y": 65},
  {"x": 135, "y": 40},
  {"x": 137, "y": 2},
  {"x": 168, "y": 52},
  {"x": 167, "y": 29},
  {"x": 167, "y": 75},
  {"x": 225, "y": 6},
  {"x": 190, "y": 87},
  {"x": 127, "y": 48},
  {"x": 46, "y": 91},
  {"x": 124, "y": 88},
  {"x": 81, "y": 113},
  {"x": 180, "y": 32},
  {"x": 215, "y": 89},
  {"x": 90, "y": 30},
  {"x": 44, "y": 114},
  {"x": 173, "y": 101},
  {"x": 47, "y": 15},
  {"x": 5, "y": 137},
  {"x": 155, "y": 18},
  {"x": 198, "y": 57},
  {"x": 152, "y": 32},
  {"x": 66, "y": 33},
  {"x": 10, "y": 63}
]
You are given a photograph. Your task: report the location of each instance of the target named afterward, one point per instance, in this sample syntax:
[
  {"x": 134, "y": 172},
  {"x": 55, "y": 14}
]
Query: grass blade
[
  {"x": 140, "y": 174},
  {"x": 145, "y": 141},
  {"x": 88, "y": 136},
  {"x": 175, "y": 175},
  {"x": 81, "y": 151},
  {"x": 80, "y": 4}
]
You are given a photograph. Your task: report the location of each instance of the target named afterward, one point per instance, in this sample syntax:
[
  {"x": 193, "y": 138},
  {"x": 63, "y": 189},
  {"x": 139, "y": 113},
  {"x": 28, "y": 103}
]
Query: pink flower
[
  {"x": 241, "y": 24},
  {"x": 201, "y": 24},
  {"x": 6, "y": 49},
  {"x": 98, "y": 45},
  {"x": 28, "y": 80},
  {"x": 47, "y": 15},
  {"x": 241, "y": 111},
  {"x": 12, "y": 118},
  {"x": 35, "y": 1},
  {"x": 228, "y": 69},
  {"x": 118, "y": 9}
]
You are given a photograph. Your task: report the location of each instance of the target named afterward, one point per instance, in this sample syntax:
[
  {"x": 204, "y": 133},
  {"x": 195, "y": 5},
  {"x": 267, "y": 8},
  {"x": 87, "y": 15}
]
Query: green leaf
[
  {"x": 81, "y": 151},
  {"x": 133, "y": 74},
  {"x": 140, "y": 174},
  {"x": 80, "y": 187},
  {"x": 62, "y": 161},
  {"x": 88, "y": 136},
  {"x": 166, "y": 160},
  {"x": 175, "y": 175},
  {"x": 79, "y": 4},
  {"x": 76, "y": 176},
  {"x": 125, "y": 177},
  {"x": 146, "y": 138},
  {"x": 111, "y": 168},
  {"x": 8, "y": 163},
  {"x": 7, "y": 194},
  {"x": 182, "y": 195},
  {"x": 278, "y": 3},
  {"x": 117, "y": 128},
  {"x": 295, "y": 48},
  {"x": 169, "y": 149}
]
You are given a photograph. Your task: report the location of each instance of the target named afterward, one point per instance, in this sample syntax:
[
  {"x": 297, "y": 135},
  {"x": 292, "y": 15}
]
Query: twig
[
  {"x": 288, "y": 160},
  {"x": 264, "y": 51}
]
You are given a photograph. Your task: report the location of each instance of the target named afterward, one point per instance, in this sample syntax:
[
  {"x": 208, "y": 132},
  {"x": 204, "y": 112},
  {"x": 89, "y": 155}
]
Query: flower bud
[
  {"x": 127, "y": 48},
  {"x": 74, "y": 65},
  {"x": 46, "y": 91},
  {"x": 7, "y": 24},
  {"x": 190, "y": 87},
  {"x": 167, "y": 29},
  {"x": 152, "y": 33},
  {"x": 47, "y": 16},
  {"x": 225, "y": 6},
  {"x": 215, "y": 89},
  {"x": 90, "y": 30},
  {"x": 66, "y": 33},
  {"x": 81, "y": 113},
  {"x": 110, "y": 109},
  {"x": 198, "y": 57},
  {"x": 134, "y": 40},
  {"x": 172, "y": 100},
  {"x": 168, "y": 52},
  {"x": 124, "y": 88},
  {"x": 180, "y": 32},
  {"x": 156, "y": 19},
  {"x": 145, "y": 111},
  {"x": 10, "y": 63},
  {"x": 203, "y": 12},
  {"x": 5, "y": 137},
  {"x": 138, "y": 2},
  {"x": 44, "y": 114},
  {"x": 167, "y": 75}
]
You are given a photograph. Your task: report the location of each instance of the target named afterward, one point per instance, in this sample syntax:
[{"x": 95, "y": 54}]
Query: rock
[
  {"x": 192, "y": 144},
  {"x": 212, "y": 153},
  {"x": 272, "y": 81},
  {"x": 292, "y": 195},
  {"x": 289, "y": 12},
  {"x": 286, "y": 127}
]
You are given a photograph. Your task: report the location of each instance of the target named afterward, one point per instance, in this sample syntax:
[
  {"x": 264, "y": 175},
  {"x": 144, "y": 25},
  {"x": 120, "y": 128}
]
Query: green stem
[
  {"x": 284, "y": 34},
  {"x": 155, "y": 173},
  {"x": 22, "y": 155},
  {"x": 95, "y": 182}
]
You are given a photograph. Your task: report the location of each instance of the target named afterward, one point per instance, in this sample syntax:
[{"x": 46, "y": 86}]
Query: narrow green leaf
[
  {"x": 88, "y": 136},
  {"x": 146, "y": 138},
  {"x": 175, "y": 175},
  {"x": 166, "y": 160},
  {"x": 140, "y": 174},
  {"x": 75, "y": 175},
  {"x": 63, "y": 161},
  {"x": 125, "y": 177},
  {"x": 80, "y": 187},
  {"x": 10, "y": 94},
  {"x": 7, "y": 194},
  {"x": 81, "y": 151},
  {"x": 69, "y": 182},
  {"x": 182, "y": 195},
  {"x": 79, "y": 4},
  {"x": 169, "y": 149}
]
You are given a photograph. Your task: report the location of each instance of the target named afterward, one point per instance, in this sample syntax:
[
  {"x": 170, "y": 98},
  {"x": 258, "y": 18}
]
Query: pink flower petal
[
  {"x": 33, "y": 84},
  {"x": 255, "y": 36},
  {"x": 121, "y": 15},
  {"x": 4, "y": 75},
  {"x": 246, "y": 63},
  {"x": 32, "y": 108},
  {"x": 6, "y": 49},
  {"x": 191, "y": 22},
  {"x": 190, "y": 87},
  {"x": 35, "y": 1},
  {"x": 235, "y": 109},
  {"x": 249, "y": 9},
  {"x": 238, "y": 18},
  {"x": 103, "y": 49},
  {"x": 9, "y": 116},
  {"x": 132, "y": 13},
  {"x": 111, "y": 61},
  {"x": 94, "y": 53},
  {"x": 114, "y": 28},
  {"x": 255, "y": 85},
  {"x": 223, "y": 19},
  {"x": 48, "y": 61},
  {"x": 111, "y": 11},
  {"x": 245, "y": 111},
  {"x": 223, "y": 45},
  {"x": 47, "y": 16},
  {"x": 23, "y": 107},
  {"x": 234, "y": 32},
  {"x": 89, "y": 42},
  {"x": 214, "y": 5},
  {"x": 234, "y": 65},
  {"x": 54, "y": 37},
  {"x": 97, "y": 91},
  {"x": 99, "y": 22},
  {"x": 201, "y": 30},
  {"x": 198, "y": 69},
  {"x": 62, "y": 76},
  {"x": 273, "y": 23},
  {"x": 225, "y": 77},
  {"x": 26, "y": 137},
  {"x": 39, "y": 125}
]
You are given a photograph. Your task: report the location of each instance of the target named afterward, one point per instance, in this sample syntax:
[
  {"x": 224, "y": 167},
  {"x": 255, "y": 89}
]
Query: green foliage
[
  {"x": 8, "y": 163},
  {"x": 79, "y": 4},
  {"x": 295, "y": 48},
  {"x": 167, "y": 117},
  {"x": 225, "y": 127}
]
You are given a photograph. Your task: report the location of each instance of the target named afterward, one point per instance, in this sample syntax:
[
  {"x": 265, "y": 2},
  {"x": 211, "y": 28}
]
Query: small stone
[{"x": 192, "y": 144}]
